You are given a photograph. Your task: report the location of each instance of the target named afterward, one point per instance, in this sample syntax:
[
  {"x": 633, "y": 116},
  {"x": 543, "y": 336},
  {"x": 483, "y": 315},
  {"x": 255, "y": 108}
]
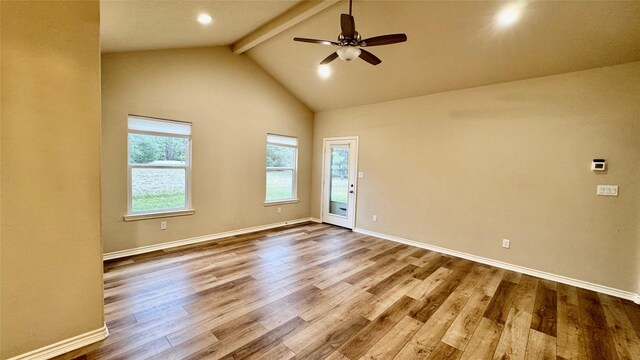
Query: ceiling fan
[{"x": 350, "y": 42}]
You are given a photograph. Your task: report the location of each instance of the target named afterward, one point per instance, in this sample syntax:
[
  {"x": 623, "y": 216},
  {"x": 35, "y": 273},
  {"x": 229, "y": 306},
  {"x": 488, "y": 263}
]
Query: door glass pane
[
  {"x": 339, "y": 183},
  {"x": 158, "y": 189}
]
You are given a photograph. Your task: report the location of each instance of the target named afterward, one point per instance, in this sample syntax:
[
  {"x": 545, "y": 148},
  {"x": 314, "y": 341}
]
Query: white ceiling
[
  {"x": 142, "y": 25},
  {"x": 452, "y": 44}
]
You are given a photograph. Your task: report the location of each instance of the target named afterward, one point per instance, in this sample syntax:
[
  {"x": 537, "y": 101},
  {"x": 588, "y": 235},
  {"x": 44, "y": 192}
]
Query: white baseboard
[
  {"x": 503, "y": 265},
  {"x": 316, "y": 220},
  {"x": 198, "y": 239},
  {"x": 64, "y": 346}
]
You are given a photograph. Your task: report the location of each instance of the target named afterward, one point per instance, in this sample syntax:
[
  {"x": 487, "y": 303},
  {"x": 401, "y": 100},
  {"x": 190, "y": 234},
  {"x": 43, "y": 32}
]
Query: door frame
[{"x": 355, "y": 183}]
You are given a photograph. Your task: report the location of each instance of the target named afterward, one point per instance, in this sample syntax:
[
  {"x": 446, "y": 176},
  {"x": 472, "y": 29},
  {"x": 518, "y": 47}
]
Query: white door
[{"x": 339, "y": 181}]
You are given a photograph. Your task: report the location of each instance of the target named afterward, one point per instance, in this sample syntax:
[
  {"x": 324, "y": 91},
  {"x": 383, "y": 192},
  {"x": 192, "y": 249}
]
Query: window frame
[
  {"x": 188, "y": 208},
  {"x": 294, "y": 198}
]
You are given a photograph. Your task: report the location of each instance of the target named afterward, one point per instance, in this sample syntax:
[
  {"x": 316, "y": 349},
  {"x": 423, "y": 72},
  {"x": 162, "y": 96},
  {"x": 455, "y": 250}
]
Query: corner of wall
[
  {"x": 36, "y": 269},
  {"x": 1, "y": 2},
  {"x": 267, "y": 73}
]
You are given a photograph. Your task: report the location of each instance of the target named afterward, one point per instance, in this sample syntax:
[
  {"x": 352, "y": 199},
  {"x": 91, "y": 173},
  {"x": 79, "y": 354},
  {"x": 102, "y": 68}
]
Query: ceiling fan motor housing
[{"x": 345, "y": 41}]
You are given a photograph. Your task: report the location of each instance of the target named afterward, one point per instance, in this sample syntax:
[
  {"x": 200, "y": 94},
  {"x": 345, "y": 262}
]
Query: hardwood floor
[{"x": 315, "y": 291}]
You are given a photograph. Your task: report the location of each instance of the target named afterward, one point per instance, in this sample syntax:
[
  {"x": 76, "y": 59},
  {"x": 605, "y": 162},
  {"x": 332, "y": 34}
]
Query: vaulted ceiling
[
  {"x": 452, "y": 44},
  {"x": 129, "y": 25}
]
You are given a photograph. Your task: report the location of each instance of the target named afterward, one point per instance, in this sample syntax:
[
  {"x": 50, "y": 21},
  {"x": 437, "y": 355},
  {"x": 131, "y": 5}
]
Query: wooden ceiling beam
[{"x": 297, "y": 14}]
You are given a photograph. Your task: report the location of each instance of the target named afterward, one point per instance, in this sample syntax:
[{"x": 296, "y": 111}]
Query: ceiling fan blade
[
  {"x": 329, "y": 58},
  {"x": 348, "y": 25},
  {"x": 315, "y": 41},
  {"x": 369, "y": 57},
  {"x": 383, "y": 40}
]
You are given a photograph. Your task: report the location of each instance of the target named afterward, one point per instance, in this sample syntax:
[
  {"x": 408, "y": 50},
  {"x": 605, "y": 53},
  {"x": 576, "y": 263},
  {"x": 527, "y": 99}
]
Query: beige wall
[
  {"x": 465, "y": 169},
  {"x": 51, "y": 269},
  {"x": 232, "y": 104},
  {"x": 0, "y": 179}
]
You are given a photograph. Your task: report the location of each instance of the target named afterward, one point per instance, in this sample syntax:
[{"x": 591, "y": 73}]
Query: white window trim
[
  {"x": 281, "y": 202},
  {"x": 188, "y": 209},
  {"x": 155, "y": 215},
  {"x": 294, "y": 199}
]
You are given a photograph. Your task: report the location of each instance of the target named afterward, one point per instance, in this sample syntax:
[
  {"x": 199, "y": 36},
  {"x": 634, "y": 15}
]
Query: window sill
[
  {"x": 281, "y": 202},
  {"x": 145, "y": 216}
]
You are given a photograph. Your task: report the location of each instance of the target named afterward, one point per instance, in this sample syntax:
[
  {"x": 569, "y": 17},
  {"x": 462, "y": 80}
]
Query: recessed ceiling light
[
  {"x": 508, "y": 16},
  {"x": 205, "y": 19},
  {"x": 324, "y": 71}
]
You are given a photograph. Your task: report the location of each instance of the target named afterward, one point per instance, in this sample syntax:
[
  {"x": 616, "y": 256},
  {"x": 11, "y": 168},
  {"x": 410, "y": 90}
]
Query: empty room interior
[{"x": 319, "y": 179}]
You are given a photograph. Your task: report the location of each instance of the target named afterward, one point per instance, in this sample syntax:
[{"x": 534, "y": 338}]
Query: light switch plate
[
  {"x": 607, "y": 190},
  {"x": 360, "y": 175}
]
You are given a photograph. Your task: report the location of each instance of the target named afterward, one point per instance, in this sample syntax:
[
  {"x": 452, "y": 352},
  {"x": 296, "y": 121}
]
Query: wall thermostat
[{"x": 598, "y": 165}]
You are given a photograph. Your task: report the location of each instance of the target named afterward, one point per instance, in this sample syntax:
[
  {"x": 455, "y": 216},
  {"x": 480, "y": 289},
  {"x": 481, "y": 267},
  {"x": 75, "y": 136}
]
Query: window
[
  {"x": 282, "y": 163},
  {"x": 159, "y": 168}
]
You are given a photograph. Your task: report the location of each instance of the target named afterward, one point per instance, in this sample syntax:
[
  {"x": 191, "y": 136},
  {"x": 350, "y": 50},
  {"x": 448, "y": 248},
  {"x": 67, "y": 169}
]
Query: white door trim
[{"x": 355, "y": 154}]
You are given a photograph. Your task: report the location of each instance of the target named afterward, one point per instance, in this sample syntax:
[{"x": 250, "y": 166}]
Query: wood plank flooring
[{"x": 315, "y": 291}]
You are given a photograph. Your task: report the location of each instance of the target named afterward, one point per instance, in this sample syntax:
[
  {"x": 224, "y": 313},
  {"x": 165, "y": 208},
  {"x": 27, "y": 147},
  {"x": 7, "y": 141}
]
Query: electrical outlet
[
  {"x": 506, "y": 243},
  {"x": 375, "y": 218},
  {"x": 360, "y": 175},
  {"x": 163, "y": 225},
  {"x": 279, "y": 209},
  {"x": 607, "y": 190}
]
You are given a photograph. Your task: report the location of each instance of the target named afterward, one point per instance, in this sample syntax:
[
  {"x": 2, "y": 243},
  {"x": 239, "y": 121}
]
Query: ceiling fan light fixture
[{"x": 348, "y": 53}]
